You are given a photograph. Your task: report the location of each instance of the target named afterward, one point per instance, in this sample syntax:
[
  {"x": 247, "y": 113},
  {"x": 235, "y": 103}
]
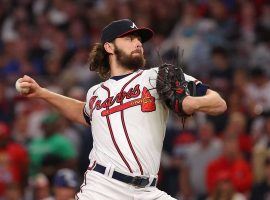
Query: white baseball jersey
[{"x": 128, "y": 122}]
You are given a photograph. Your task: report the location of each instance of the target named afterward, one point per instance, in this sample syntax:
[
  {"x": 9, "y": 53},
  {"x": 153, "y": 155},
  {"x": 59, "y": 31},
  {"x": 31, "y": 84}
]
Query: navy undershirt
[{"x": 201, "y": 89}]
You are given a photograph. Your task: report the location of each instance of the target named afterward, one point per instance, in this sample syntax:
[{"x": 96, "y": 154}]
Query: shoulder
[
  {"x": 93, "y": 89},
  {"x": 191, "y": 78},
  {"x": 155, "y": 70},
  {"x": 148, "y": 77},
  {"x": 151, "y": 71}
]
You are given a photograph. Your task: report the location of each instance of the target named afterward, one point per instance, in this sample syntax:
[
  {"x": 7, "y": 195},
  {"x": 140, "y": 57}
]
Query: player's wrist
[
  {"x": 43, "y": 93},
  {"x": 190, "y": 105}
]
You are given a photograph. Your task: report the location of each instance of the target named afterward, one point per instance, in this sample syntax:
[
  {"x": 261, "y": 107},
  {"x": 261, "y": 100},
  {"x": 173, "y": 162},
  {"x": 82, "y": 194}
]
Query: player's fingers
[
  {"x": 26, "y": 85},
  {"x": 20, "y": 80},
  {"x": 26, "y": 78}
]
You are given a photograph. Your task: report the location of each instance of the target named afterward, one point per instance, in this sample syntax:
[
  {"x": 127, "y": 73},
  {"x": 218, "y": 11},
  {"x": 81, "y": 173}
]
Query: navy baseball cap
[
  {"x": 124, "y": 27},
  {"x": 66, "y": 178}
]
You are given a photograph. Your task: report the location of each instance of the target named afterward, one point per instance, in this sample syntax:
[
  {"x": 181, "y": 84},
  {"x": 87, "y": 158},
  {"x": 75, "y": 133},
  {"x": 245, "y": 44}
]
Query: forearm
[
  {"x": 68, "y": 107},
  {"x": 211, "y": 104}
]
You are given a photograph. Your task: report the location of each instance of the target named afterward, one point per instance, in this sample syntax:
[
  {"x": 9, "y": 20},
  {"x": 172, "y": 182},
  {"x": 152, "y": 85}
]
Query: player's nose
[{"x": 138, "y": 43}]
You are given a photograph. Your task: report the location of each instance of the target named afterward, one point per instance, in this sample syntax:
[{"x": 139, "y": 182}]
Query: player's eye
[
  {"x": 128, "y": 38},
  {"x": 140, "y": 39},
  {"x": 135, "y": 36}
]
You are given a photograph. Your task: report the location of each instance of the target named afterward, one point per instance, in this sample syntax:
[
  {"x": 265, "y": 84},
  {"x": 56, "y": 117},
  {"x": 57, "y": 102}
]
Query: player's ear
[{"x": 109, "y": 48}]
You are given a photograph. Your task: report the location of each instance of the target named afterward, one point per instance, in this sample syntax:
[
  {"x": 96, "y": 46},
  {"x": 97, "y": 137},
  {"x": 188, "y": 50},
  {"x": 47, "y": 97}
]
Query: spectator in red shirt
[
  {"x": 237, "y": 127},
  {"x": 224, "y": 189},
  {"x": 13, "y": 161},
  {"x": 233, "y": 163}
]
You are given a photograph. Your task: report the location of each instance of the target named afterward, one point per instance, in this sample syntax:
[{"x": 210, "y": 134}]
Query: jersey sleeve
[
  {"x": 86, "y": 114},
  {"x": 86, "y": 109},
  {"x": 151, "y": 77},
  {"x": 201, "y": 88}
]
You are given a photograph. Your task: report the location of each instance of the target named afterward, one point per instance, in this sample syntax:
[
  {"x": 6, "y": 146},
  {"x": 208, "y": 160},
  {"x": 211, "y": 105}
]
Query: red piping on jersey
[
  {"x": 124, "y": 125},
  {"x": 92, "y": 167},
  {"x": 112, "y": 135},
  {"x": 84, "y": 182}
]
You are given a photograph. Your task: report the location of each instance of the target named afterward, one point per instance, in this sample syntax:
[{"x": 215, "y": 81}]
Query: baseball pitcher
[{"x": 128, "y": 113}]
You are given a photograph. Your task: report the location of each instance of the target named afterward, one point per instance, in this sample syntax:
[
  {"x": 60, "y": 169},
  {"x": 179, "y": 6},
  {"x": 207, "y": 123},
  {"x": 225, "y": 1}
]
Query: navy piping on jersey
[{"x": 116, "y": 78}]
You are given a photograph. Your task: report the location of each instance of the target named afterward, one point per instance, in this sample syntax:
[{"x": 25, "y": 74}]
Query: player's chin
[
  {"x": 136, "y": 64},
  {"x": 137, "y": 57}
]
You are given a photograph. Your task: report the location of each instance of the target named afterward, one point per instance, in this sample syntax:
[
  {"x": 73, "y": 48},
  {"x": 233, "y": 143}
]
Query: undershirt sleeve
[{"x": 201, "y": 89}]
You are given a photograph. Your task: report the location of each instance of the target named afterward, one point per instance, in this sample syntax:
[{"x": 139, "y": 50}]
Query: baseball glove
[{"x": 173, "y": 88}]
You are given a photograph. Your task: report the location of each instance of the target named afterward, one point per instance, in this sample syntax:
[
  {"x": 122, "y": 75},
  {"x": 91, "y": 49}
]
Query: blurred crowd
[{"x": 226, "y": 45}]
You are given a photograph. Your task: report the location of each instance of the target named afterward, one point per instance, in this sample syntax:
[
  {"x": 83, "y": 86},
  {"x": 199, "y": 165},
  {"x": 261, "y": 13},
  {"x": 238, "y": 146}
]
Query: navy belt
[{"x": 137, "y": 181}]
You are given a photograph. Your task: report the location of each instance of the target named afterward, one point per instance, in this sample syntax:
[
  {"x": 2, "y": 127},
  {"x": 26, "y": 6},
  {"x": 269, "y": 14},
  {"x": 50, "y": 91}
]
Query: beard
[{"x": 132, "y": 61}]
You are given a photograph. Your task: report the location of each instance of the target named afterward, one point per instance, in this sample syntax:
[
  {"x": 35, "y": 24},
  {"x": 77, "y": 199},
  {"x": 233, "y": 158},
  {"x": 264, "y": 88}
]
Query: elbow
[
  {"x": 221, "y": 105},
  {"x": 221, "y": 108}
]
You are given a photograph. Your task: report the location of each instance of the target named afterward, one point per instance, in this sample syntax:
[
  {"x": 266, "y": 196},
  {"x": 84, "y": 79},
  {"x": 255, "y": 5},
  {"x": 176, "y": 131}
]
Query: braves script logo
[{"x": 146, "y": 101}]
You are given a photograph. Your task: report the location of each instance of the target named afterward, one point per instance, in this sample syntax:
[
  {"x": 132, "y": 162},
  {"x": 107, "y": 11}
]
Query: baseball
[{"x": 20, "y": 89}]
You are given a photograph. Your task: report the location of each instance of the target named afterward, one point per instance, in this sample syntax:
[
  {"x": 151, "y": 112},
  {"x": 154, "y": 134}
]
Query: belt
[{"x": 137, "y": 181}]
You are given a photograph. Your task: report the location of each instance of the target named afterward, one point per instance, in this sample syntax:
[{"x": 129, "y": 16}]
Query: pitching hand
[{"x": 35, "y": 90}]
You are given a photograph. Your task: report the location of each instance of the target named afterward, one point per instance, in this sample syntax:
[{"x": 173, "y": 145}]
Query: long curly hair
[{"x": 99, "y": 61}]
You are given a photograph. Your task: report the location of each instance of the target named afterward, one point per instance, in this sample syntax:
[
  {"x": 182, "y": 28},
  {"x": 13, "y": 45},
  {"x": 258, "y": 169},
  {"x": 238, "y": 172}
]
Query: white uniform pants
[{"x": 97, "y": 186}]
